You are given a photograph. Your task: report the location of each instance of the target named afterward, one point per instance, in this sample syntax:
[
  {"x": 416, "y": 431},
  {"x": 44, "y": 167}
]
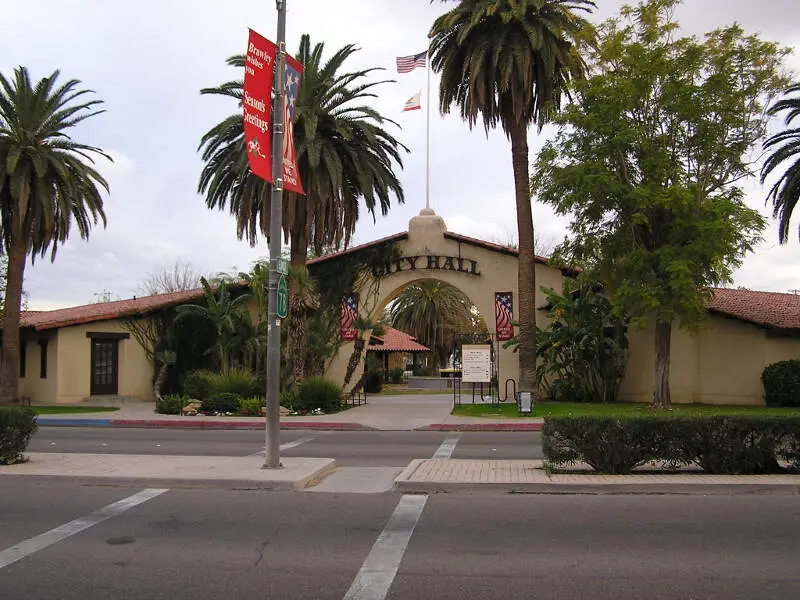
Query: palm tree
[
  {"x": 434, "y": 313},
  {"x": 509, "y": 62},
  {"x": 785, "y": 147},
  {"x": 223, "y": 311},
  {"x": 47, "y": 183},
  {"x": 344, "y": 153}
]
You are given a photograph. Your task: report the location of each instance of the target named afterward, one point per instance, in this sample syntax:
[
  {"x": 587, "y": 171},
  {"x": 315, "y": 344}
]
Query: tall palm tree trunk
[
  {"x": 9, "y": 371},
  {"x": 526, "y": 275},
  {"x": 297, "y": 310}
]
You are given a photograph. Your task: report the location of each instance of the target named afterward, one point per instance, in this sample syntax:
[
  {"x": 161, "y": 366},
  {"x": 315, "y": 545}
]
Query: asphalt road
[
  {"x": 206, "y": 545},
  {"x": 349, "y": 448}
]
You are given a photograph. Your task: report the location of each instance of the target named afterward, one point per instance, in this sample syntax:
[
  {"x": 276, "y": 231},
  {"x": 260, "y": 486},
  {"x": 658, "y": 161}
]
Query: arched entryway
[{"x": 481, "y": 270}]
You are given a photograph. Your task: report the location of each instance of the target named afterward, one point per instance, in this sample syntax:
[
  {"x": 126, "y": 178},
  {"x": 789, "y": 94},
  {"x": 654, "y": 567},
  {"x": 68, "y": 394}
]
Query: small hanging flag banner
[
  {"x": 503, "y": 313},
  {"x": 413, "y": 103},
  {"x": 347, "y": 318},
  {"x": 259, "y": 65}
]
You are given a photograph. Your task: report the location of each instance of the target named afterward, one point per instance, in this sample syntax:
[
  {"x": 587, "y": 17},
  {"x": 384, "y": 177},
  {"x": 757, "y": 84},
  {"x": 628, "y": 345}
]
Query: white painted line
[
  {"x": 288, "y": 445},
  {"x": 380, "y": 567},
  {"x": 446, "y": 449},
  {"x": 48, "y": 538}
]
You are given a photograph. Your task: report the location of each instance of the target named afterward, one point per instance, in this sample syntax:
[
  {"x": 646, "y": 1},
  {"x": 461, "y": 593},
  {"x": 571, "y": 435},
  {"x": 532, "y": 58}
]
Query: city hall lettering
[{"x": 428, "y": 262}]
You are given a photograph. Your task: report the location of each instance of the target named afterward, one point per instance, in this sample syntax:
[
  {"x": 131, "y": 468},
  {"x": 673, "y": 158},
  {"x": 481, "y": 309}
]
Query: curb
[
  {"x": 642, "y": 489},
  {"x": 185, "y": 483},
  {"x": 198, "y": 424},
  {"x": 481, "y": 427}
]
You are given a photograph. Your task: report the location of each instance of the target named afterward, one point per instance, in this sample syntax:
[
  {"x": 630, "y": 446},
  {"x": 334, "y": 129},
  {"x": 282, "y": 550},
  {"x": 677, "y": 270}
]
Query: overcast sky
[{"x": 148, "y": 60}]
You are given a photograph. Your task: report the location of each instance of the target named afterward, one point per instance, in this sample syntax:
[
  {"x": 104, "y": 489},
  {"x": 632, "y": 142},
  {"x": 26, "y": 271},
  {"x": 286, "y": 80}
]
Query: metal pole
[
  {"x": 428, "y": 135},
  {"x": 273, "y": 418}
]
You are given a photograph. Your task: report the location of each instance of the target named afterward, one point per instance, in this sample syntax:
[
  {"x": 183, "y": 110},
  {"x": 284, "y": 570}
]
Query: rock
[{"x": 285, "y": 411}]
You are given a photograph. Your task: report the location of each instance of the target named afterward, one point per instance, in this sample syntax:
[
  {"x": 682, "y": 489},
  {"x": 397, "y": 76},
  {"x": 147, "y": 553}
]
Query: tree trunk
[
  {"x": 663, "y": 336},
  {"x": 9, "y": 369},
  {"x": 297, "y": 310},
  {"x": 526, "y": 274},
  {"x": 160, "y": 378},
  {"x": 355, "y": 359}
]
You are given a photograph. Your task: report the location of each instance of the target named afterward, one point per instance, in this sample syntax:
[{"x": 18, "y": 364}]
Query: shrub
[
  {"x": 221, "y": 402},
  {"x": 287, "y": 399},
  {"x": 235, "y": 381},
  {"x": 318, "y": 392},
  {"x": 608, "y": 445},
  {"x": 199, "y": 385},
  {"x": 17, "y": 425},
  {"x": 373, "y": 384},
  {"x": 251, "y": 407},
  {"x": 396, "y": 375},
  {"x": 734, "y": 444},
  {"x": 171, "y": 404},
  {"x": 782, "y": 383}
]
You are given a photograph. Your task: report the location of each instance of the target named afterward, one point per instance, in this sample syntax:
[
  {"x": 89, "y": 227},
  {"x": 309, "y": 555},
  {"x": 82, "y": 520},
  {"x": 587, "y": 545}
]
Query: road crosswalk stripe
[{"x": 48, "y": 538}]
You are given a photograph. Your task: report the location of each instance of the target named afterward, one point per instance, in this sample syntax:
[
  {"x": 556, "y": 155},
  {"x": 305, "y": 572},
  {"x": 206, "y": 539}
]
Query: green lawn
[
  {"x": 576, "y": 409},
  {"x": 72, "y": 410}
]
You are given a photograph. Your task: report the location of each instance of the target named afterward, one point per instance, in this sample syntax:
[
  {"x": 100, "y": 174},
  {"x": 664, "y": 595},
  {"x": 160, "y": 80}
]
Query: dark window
[
  {"x": 22, "y": 354},
  {"x": 43, "y": 359}
]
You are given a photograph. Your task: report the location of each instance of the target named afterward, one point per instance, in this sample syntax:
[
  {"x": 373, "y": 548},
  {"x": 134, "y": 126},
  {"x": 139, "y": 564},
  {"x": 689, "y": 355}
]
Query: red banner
[
  {"x": 258, "y": 70},
  {"x": 503, "y": 315},
  {"x": 291, "y": 176},
  {"x": 347, "y": 318}
]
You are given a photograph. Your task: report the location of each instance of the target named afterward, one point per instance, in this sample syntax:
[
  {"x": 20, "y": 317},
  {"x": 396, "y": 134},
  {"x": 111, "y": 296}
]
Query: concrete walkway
[
  {"x": 227, "y": 472},
  {"x": 385, "y": 413},
  {"x": 420, "y": 476},
  {"x": 451, "y": 475}
]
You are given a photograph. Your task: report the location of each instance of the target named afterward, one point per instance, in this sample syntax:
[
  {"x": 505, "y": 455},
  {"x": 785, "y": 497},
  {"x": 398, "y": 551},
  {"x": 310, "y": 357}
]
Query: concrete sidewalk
[
  {"x": 420, "y": 476},
  {"x": 413, "y": 412},
  {"x": 227, "y": 472},
  {"x": 528, "y": 476}
]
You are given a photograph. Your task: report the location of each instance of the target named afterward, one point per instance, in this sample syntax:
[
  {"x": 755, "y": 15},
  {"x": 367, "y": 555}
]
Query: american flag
[
  {"x": 347, "y": 318},
  {"x": 406, "y": 64},
  {"x": 503, "y": 313},
  {"x": 292, "y": 84}
]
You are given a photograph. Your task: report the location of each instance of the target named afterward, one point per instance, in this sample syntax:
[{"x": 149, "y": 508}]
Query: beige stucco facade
[
  {"x": 718, "y": 364},
  {"x": 482, "y": 270},
  {"x": 68, "y": 373}
]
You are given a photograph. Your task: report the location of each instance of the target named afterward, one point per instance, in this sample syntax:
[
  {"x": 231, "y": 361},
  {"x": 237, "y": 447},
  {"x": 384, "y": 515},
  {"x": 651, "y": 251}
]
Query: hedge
[
  {"x": 782, "y": 383},
  {"x": 17, "y": 425},
  {"x": 318, "y": 393},
  {"x": 735, "y": 444}
]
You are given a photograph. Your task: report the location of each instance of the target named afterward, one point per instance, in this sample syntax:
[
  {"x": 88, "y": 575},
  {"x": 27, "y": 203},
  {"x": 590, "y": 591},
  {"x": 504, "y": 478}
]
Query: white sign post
[{"x": 476, "y": 363}]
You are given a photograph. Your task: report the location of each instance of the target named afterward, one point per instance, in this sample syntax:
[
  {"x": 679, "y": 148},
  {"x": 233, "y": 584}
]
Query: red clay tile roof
[
  {"x": 773, "y": 310},
  {"x": 391, "y": 238},
  {"x": 104, "y": 311},
  {"x": 394, "y": 340}
]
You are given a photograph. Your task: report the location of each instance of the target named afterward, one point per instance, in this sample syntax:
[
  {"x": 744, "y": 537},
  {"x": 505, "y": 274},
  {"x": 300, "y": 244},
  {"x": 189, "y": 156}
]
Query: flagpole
[{"x": 428, "y": 136}]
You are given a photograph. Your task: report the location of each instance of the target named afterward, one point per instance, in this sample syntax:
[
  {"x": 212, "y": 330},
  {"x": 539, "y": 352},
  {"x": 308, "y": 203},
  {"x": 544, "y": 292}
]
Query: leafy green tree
[
  {"x": 435, "y": 313},
  {"x": 508, "y": 62},
  {"x": 648, "y": 159},
  {"x": 226, "y": 312},
  {"x": 47, "y": 186},
  {"x": 785, "y": 148}
]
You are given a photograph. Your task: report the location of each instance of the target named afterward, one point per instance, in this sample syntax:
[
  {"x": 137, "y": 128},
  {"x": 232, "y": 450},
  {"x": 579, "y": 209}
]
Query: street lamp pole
[{"x": 273, "y": 423}]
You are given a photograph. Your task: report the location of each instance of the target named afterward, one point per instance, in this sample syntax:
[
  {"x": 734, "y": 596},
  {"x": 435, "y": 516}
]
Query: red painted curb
[
  {"x": 204, "y": 424},
  {"x": 482, "y": 427}
]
